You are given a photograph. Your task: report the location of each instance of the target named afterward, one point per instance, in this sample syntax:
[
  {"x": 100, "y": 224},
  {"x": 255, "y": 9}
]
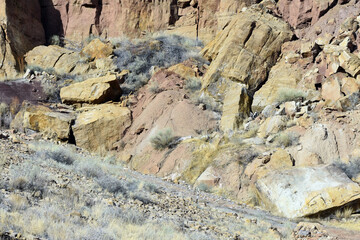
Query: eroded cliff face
[
  {"x": 20, "y": 31},
  {"x": 77, "y": 19}
]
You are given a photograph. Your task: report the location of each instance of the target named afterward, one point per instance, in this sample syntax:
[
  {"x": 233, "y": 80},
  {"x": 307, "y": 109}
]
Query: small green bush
[
  {"x": 285, "y": 139},
  {"x": 162, "y": 139},
  {"x": 154, "y": 87},
  {"x": 289, "y": 94},
  {"x": 193, "y": 84},
  {"x": 5, "y": 115},
  {"x": 55, "y": 40}
]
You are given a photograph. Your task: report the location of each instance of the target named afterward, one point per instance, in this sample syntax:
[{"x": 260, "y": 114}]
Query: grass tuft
[
  {"x": 163, "y": 139},
  {"x": 290, "y": 94}
]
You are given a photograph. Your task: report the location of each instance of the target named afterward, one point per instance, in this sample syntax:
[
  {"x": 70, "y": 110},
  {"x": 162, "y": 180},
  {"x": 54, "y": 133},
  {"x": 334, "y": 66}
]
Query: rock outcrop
[
  {"x": 93, "y": 91},
  {"x": 300, "y": 192},
  {"x": 113, "y": 19},
  {"x": 51, "y": 123},
  {"x": 20, "y": 31},
  {"x": 244, "y": 52},
  {"x": 61, "y": 60},
  {"x": 98, "y": 127}
]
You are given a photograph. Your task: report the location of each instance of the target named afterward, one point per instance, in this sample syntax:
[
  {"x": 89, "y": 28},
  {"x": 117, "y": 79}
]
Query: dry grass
[
  {"x": 162, "y": 139},
  {"x": 289, "y": 94},
  {"x": 252, "y": 132},
  {"x": 154, "y": 87},
  {"x": 17, "y": 202},
  {"x": 286, "y": 139}
]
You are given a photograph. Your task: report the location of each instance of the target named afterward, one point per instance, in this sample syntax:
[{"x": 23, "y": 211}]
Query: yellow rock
[
  {"x": 94, "y": 90},
  {"x": 331, "y": 89},
  {"x": 246, "y": 49},
  {"x": 182, "y": 70},
  {"x": 282, "y": 75},
  {"x": 272, "y": 125},
  {"x": 97, "y": 128},
  {"x": 350, "y": 63},
  {"x": 236, "y": 107},
  {"x": 51, "y": 123},
  {"x": 97, "y": 49},
  {"x": 54, "y": 57},
  {"x": 349, "y": 86}
]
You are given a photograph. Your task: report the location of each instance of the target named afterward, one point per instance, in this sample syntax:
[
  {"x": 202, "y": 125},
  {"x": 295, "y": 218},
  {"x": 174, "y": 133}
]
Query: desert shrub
[
  {"x": 162, "y": 139},
  {"x": 247, "y": 155},
  {"x": 90, "y": 169},
  {"x": 133, "y": 217},
  {"x": 154, "y": 87},
  {"x": 151, "y": 188},
  {"x": 351, "y": 169},
  {"x": 193, "y": 84},
  {"x": 5, "y": 115},
  {"x": 250, "y": 133},
  {"x": 140, "y": 56},
  {"x": 27, "y": 177},
  {"x": 286, "y": 139},
  {"x": 289, "y": 94},
  {"x": 55, "y": 40},
  {"x": 112, "y": 184},
  {"x": 209, "y": 102},
  {"x": 204, "y": 187},
  {"x": 60, "y": 156}
]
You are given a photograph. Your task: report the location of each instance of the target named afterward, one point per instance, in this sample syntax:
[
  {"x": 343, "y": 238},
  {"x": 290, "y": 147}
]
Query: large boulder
[
  {"x": 96, "y": 49},
  {"x": 97, "y": 128},
  {"x": 94, "y": 90},
  {"x": 53, "y": 57},
  {"x": 51, "y": 123},
  {"x": 304, "y": 191}
]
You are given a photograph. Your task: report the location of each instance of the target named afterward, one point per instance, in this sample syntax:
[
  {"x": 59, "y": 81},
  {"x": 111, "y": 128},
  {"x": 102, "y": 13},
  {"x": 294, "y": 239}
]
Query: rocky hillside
[{"x": 254, "y": 101}]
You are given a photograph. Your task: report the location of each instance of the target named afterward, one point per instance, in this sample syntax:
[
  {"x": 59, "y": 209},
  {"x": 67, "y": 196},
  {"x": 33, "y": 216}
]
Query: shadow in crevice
[{"x": 51, "y": 20}]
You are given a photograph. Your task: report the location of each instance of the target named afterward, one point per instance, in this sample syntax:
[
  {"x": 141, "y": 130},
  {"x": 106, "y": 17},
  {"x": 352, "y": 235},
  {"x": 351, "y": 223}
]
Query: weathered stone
[
  {"x": 282, "y": 75},
  {"x": 300, "y": 13},
  {"x": 53, "y": 57},
  {"x": 350, "y": 63},
  {"x": 54, "y": 124},
  {"x": 20, "y": 31},
  {"x": 349, "y": 102},
  {"x": 209, "y": 177},
  {"x": 246, "y": 49},
  {"x": 182, "y": 70},
  {"x": 236, "y": 107},
  {"x": 321, "y": 140},
  {"x": 96, "y": 49},
  {"x": 272, "y": 125},
  {"x": 76, "y": 20},
  {"x": 94, "y": 90},
  {"x": 331, "y": 89},
  {"x": 305, "y": 191},
  {"x": 97, "y": 128},
  {"x": 349, "y": 86},
  {"x": 290, "y": 108}
]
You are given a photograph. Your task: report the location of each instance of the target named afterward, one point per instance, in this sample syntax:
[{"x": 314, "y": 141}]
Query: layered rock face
[
  {"x": 244, "y": 53},
  {"x": 20, "y": 31},
  {"x": 116, "y": 18}
]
